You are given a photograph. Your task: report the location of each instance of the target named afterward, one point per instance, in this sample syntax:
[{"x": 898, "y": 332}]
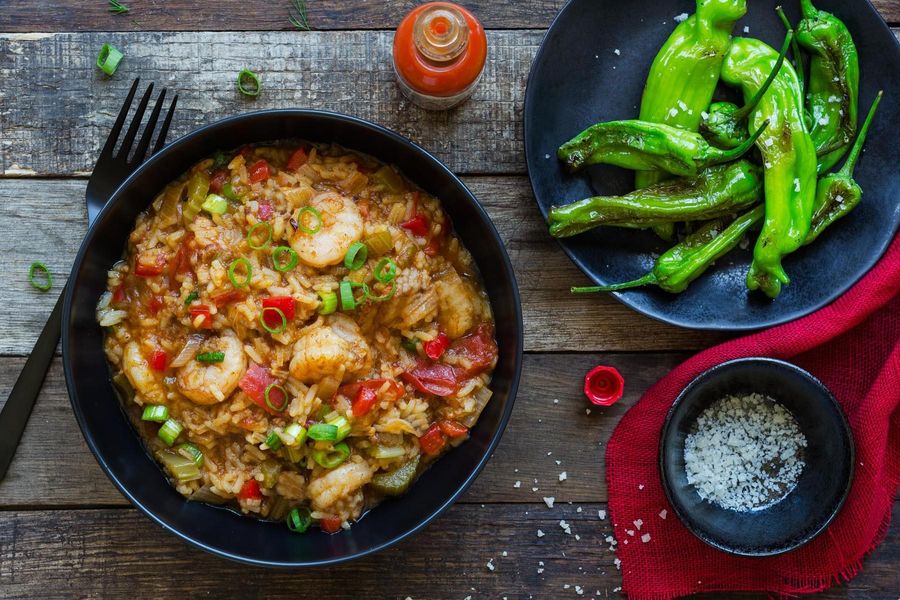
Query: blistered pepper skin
[{"x": 789, "y": 157}]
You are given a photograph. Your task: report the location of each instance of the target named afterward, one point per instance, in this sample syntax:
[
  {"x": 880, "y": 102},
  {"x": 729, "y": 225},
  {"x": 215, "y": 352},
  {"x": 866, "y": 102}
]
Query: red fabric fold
[{"x": 853, "y": 347}]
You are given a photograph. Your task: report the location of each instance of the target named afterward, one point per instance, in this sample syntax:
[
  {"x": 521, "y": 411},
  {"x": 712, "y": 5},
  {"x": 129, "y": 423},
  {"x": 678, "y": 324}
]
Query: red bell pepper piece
[
  {"x": 364, "y": 401},
  {"x": 254, "y": 384},
  {"x": 436, "y": 347},
  {"x": 453, "y": 429},
  {"x": 228, "y": 297},
  {"x": 118, "y": 296},
  {"x": 201, "y": 310},
  {"x": 285, "y": 304},
  {"x": 437, "y": 379},
  {"x": 258, "y": 171},
  {"x": 297, "y": 159},
  {"x": 418, "y": 226},
  {"x": 155, "y": 304},
  {"x": 159, "y": 360},
  {"x": 149, "y": 264},
  {"x": 250, "y": 491},
  {"x": 181, "y": 261},
  {"x": 433, "y": 440},
  {"x": 218, "y": 180},
  {"x": 478, "y": 348},
  {"x": 330, "y": 524}
]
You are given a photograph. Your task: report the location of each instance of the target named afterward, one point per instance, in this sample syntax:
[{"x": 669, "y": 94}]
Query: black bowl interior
[
  {"x": 117, "y": 446},
  {"x": 823, "y": 484},
  {"x": 577, "y": 79}
]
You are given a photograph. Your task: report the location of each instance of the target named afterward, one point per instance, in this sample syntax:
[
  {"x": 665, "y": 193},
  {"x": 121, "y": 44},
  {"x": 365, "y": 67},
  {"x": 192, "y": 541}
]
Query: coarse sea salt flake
[
  {"x": 638, "y": 523},
  {"x": 517, "y": 484},
  {"x": 681, "y": 18},
  {"x": 540, "y": 533},
  {"x": 549, "y": 500},
  {"x": 490, "y": 565},
  {"x": 663, "y": 513},
  {"x": 645, "y": 538},
  {"x": 673, "y": 112},
  {"x": 601, "y": 514},
  {"x": 617, "y": 52}
]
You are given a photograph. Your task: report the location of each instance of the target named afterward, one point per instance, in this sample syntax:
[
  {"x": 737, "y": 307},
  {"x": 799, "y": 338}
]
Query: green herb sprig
[
  {"x": 117, "y": 8},
  {"x": 298, "y": 16}
]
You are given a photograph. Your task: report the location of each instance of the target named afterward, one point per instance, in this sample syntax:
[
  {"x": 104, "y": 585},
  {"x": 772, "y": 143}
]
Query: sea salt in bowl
[{"x": 805, "y": 491}]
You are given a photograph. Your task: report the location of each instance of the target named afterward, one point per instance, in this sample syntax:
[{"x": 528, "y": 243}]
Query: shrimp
[
  {"x": 332, "y": 347},
  {"x": 457, "y": 307},
  {"x": 342, "y": 224},
  {"x": 337, "y": 484},
  {"x": 145, "y": 383},
  {"x": 210, "y": 383}
]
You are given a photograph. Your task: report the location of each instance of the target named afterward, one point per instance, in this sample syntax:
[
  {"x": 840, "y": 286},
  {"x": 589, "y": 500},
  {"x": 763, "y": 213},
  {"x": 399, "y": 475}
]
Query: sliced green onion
[
  {"x": 181, "y": 467},
  {"x": 283, "y": 391},
  {"x": 109, "y": 58},
  {"x": 155, "y": 412},
  {"x": 385, "y": 270},
  {"x": 388, "y": 452},
  {"x": 410, "y": 344},
  {"x": 211, "y": 357},
  {"x": 348, "y": 300},
  {"x": 294, "y": 453},
  {"x": 342, "y": 424},
  {"x": 329, "y": 302},
  {"x": 273, "y": 441},
  {"x": 170, "y": 431},
  {"x": 189, "y": 450},
  {"x": 191, "y": 297},
  {"x": 34, "y": 268},
  {"x": 356, "y": 256},
  {"x": 229, "y": 192},
  {"x": 382, "y": 297},
  {"x": 281, "y": 265},
  {"x": 317, "y": 223},
  {"x": 248, "y": 83},
  {"x": 215, "y": 204},
  {"x": 298, "y": 520},
  {"x": 293, "y": 435},
  {"x": 277, "y": 311},
  {"x": 248, "y": 269},
  {"x": 268, "y": 231},
  {"x": 323, "y": 432},
  {"x": 323, "y": 413},
  {"x": 330, "y": 459}
]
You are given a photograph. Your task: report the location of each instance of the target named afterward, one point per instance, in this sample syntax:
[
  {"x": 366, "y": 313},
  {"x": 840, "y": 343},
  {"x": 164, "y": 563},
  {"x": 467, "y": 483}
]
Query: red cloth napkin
[{"x": 853, "y": 347}]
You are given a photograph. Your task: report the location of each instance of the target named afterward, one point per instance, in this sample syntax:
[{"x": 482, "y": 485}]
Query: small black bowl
[
  {"x": 823, "y": 485},
  {"x": 119, "y": 449}
]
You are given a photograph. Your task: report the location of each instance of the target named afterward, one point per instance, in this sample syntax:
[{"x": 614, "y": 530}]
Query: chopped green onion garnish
[
  {"x": 273, "y": 310},
  {"x": 323, "y": 432},
  {"x": 191, "y": 297},
  {"x": 343, "y": 426},
  {"x": 211, "y": 357},
  {"x": 284, "y": 395},
  {"x": 109, "y": 58},
  {"x": 248, "y": 83},
  {"x": 323, "y": 413},
  {"x": 385, "y": 296},
  {"x": 301, "y": 220},
  {"x": 229, "y": 192},
  {"x": 410, "y": 344},
  {"x": 329, "y": 302},
  {"x": 348, "y": 300},
  {"x": 215, "y": 204},
  {"x": 330, "y": 459},
  {"x": 273, "y": 441},
  {"x": 280, "y": 264},
  {"x": 294, "y": 453},
  {"x": 181, "y": 467},
  {"x": 189, "y": 450},
  {"x": 155, "y": 412},
  {"x": 248, "y": 270},
  {"x": 356, "y": 256},
  {"x": 299, "y": 520},
  {"x": 385, "y": 270},
  {"x": 34, "y": 268},
  {"x": 388, "y": 452},
  {"x": 293, "y": 435},
  {"x": 253, "y": 240},
  {"x": 170, "y": 431}
]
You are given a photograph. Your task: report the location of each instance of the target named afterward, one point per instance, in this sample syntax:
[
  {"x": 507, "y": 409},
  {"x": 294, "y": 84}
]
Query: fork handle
[{"x": 20, "y": 403}]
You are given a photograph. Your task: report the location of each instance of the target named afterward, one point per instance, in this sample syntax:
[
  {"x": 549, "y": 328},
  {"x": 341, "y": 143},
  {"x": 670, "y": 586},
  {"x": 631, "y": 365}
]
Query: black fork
[{"x": 112, "y": 168}]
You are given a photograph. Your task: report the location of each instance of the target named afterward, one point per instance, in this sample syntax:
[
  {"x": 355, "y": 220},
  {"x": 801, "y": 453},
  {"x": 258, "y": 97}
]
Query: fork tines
[{"x": 144, "y": 143}]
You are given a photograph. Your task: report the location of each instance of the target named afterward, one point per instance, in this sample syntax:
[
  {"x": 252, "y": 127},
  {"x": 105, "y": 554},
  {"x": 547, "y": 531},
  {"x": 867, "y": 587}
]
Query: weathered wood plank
[
  {"x": 45, "y": 220},
  {"x": 120, "y": 553},
  {"x": 64, "y": 472},
  {"x": 230, "y": 15}
]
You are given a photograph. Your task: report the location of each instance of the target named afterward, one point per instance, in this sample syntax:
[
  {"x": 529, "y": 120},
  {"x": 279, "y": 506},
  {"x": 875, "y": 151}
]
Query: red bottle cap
[{"x": 603, "y": 385}]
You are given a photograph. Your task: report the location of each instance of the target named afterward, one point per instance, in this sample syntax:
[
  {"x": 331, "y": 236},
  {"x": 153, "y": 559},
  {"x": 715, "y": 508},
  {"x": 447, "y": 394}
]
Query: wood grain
[
  {"x": 45, "y": 220},
  {"x": 64, "y": 473},
  {"x": 218, "y": 15},
  {"x": 109, "y": 553}
]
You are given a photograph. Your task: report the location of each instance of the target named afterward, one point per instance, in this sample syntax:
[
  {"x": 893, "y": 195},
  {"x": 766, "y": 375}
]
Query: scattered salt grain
[
  {"x": 601, "y": 514},
  {"x": 705, "y": 115},
  {"x": 681, "y": 18},
  {"x": 769, "y": 142},
  {"x": 663, "y": 513},
  {"x": 563, "y": 476},
  {"x": 534, "y": 489},
  {"x": 540, "y": 533},
  {"x": 673, "y": 112},
  {"x": 630, "y": 532},
  {"x": 490, "y": 565},
  {"x": 638, "y": 523},
  {"x": 578, "y": 539},
  {"x": 645, "y": 538},
  {"x": 587, "y": 411},
  {"x": 579, "y": 590},
  {"x": 682, "y": 105},
  {"x": 641, "y": 486},
  {"x": 547, "y": 157},
  {"x": 746, "y": 29},
  {"x": 565, "y": 526},
  {"x": 797, "y": 184},
  {"x": 504, "y": 553},
  {"x": 517, "y": 484},
  {"x": 549, "y": 500},
  {"x": 559, "y": 462},
  {"x": 617, "y": 52},
  {"x": 578, "y": 510},
  {"x": 618, "y": 564}
]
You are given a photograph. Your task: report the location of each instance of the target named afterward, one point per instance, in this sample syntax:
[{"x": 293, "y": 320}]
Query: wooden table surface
[{"x": 66, "y": 532}]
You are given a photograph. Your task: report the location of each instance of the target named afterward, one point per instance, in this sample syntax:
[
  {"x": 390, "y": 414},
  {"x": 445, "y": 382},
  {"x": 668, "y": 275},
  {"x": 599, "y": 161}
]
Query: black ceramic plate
[
  {"x": 578, "y": 79},
  {"x": 117, "y": 446}
]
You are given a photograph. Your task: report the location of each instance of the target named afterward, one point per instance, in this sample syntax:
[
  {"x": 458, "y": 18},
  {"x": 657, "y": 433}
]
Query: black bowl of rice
[{"x": 756, "y": 457}]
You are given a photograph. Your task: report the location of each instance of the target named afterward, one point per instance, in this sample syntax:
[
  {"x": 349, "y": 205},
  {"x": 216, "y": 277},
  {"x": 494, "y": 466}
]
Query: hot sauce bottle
[{"x": 439, "y": 54}]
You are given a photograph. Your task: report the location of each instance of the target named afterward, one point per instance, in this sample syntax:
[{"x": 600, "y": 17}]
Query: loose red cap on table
[{"x": 603, "y": 385}]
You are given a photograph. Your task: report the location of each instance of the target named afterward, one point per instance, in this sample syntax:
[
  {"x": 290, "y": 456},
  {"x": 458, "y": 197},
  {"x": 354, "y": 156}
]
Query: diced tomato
[
  {"x": 149, "y": 264},
  {"x": 201, "y": 310},
  {"x": 181, "y": 261},
  {"x": 228, "y": 297},
  {"x": 297, "y": 159},
  {"x": 433, "y": 247},
  {"x": 254, "y": 384},
  {"x": 418, "y": 226},
  {"x": 285, "y": 304},
  {"x": 330, "y": 524},
  {"x": 265, "y": 211},
  {"x": 350, "y": 390},
  {"x": 258, "y": 171},
  {"x": 433, "y": 440},
  {"x": 477, "y": 348},
  {"x": 250, "y": 491},
  {"x": 364, "y": 401},
  {"x": 436, "y": 378},
  {"x": 159, "y": 360},
  {"x": 155, "y": 304},
  {"x": 118, "y": 295},
  {"x": 436, "y": 347},
  {"x": 452, "y": 428},
  {"x": 218, "y": 180}
]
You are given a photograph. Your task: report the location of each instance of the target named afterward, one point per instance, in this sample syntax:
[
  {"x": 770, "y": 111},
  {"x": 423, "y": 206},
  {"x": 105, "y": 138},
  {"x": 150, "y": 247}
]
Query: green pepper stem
[
  {"x": 799, "y": 66},
  {"x": 738, "y": 152},
  {"x": 647, "y": 279},
  {"x": 742, "y": 113},
  {"x": 856, "y": 151},
  {"x": 809, "y": 11}
]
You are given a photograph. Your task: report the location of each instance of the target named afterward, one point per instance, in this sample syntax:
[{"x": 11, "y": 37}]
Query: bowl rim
[
  {"x": 704, "y": 377},
  {"x": 377, "y": 130}
]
